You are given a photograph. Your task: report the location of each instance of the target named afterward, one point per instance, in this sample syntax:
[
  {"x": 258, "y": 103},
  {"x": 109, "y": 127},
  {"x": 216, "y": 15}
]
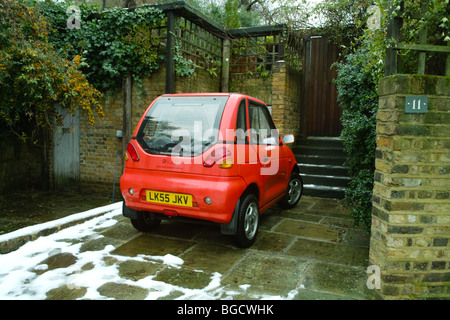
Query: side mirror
[{"x": 288, "y": 138}]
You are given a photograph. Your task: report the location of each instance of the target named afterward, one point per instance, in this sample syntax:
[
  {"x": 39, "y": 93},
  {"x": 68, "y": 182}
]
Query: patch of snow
[{"x": 24, "y": 274}]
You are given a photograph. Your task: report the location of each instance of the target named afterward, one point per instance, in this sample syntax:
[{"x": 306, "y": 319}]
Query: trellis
[
  {"x": 255, "y": 50},
  {"x": 394, "y": 33},
  {"x": 208, "y": 45},
  {"x": 203, "y": 48}
]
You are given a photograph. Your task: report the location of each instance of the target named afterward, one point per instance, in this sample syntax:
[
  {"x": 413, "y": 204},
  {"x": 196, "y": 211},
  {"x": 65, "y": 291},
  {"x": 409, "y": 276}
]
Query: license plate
[{"x": 176, "y": 199}]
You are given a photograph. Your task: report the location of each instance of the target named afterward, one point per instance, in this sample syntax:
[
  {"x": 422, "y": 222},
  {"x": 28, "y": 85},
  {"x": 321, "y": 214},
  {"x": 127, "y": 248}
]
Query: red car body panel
[{"x": 189, "y": 176}]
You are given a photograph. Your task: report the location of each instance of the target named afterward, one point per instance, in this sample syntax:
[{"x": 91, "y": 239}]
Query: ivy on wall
[
  {"x": 357, "y": 83},
  {"x": 113, "y": 43}
]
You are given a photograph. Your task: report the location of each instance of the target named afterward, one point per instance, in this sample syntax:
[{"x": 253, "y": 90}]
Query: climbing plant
[
  {"x": 429, "y": 15},
  {"x": 113, "y": 43},
  {"x": 34, "y": 76},
  {"x": 357, "y": 82}
]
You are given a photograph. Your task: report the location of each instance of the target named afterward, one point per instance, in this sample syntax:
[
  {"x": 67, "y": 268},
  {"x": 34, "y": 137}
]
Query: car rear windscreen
[{"x": 186, "y": 126}]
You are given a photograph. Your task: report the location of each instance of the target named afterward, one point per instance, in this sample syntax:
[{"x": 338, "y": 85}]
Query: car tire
[
  {"x": 248, "y": 221},
  {"x": 293, "y": 193},
  {"x": 145, "y": 222}
]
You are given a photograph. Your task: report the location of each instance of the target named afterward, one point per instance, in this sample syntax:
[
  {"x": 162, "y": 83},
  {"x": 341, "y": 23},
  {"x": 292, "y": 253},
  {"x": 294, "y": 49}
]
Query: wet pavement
[
  {"x": 31, "y": 207},
  {"x": 309, "y": 252}
]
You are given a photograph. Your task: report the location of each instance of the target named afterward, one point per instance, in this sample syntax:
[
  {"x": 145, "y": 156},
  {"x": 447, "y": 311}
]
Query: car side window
[
  {"x": 241, "y": 123},
  {"x": 262, "y": 128}
]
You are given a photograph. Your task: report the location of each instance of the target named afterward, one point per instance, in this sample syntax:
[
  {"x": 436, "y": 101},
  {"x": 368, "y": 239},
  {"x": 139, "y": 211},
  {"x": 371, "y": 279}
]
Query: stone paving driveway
[{"x": 309, "y": 252}]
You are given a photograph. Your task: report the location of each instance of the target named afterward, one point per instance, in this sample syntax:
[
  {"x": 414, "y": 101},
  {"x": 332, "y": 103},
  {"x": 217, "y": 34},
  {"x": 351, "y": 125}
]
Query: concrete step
[
  {"x": 329, "y": 181},
  {"x": 323, "y": 169},
  {"x": 321, "y": 163},
  {"x": 323, "y": 191},
  {"x": 331, "y": 152},
  {"x": 319, "y": 159},
  {"x": 323, "y": 141}
]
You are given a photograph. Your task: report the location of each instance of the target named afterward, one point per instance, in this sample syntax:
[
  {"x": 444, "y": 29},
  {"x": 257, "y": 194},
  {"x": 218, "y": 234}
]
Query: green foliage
[
  {"x": 344, "y": 20},
  {"x": 231, "y": 13},
  {"x": 232, "y": 20},
  {"x": 433, "y": 15},
  {"x": 34, "y": 77},
  {"x": 357, "y": 83},
  {"x": 183, "y": 66},
  {"x": 114, "y": 43}
]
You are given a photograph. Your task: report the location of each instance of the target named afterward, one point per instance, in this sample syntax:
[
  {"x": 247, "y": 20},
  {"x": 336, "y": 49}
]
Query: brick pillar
[
  {"x": 278, "y": 95},
  {"x": 285, "y": 98},
  {"x": 410, "y": 240}
]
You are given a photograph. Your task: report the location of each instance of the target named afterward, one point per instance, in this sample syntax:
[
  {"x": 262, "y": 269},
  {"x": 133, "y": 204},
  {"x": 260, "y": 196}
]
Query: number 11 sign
[{"x": 416, "y": 104}]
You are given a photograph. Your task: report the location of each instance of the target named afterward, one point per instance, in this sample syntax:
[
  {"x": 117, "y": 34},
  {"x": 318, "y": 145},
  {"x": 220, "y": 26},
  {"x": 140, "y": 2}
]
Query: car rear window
[{"x": 184, "y": 126}]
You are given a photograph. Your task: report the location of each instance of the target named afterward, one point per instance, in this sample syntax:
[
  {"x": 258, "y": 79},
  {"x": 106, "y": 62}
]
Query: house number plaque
[{"x": 416, "y": 104}]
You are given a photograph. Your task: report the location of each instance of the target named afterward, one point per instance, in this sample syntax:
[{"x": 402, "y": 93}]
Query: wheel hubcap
[
  {"x": 295, "y": 190},
  {"x": 251, "y": 220}
]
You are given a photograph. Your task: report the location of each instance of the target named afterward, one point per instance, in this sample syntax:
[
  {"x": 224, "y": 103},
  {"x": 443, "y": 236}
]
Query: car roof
[
  {"x": 212, "y": 94},
  {"x": 204, "y": 94}
]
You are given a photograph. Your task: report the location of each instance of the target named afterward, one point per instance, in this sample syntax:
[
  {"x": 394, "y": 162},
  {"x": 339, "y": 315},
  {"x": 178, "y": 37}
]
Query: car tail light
[
  {"x": 171, "y": 213},
  {"x": 217, "y": 155},
  {"x": 132, "y": 152}
]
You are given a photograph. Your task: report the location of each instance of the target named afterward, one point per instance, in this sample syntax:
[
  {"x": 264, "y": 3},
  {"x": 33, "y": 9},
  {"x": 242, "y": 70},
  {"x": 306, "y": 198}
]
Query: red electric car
[{"x": 210, "y": 156}]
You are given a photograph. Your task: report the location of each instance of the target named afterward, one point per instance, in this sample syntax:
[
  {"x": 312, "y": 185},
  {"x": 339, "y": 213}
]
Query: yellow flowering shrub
[{"x": 34, "y": 77}]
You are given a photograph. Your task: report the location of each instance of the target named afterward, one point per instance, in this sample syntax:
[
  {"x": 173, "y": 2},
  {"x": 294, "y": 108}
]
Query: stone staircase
[{"x": 321, "y": 163}]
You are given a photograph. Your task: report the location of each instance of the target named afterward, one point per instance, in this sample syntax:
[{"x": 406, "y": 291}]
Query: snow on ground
[{"x": 23, "y": 275}]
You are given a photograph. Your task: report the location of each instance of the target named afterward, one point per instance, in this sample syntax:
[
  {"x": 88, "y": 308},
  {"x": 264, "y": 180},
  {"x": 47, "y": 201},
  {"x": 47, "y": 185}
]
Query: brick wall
[
  {"x": 253, "y": 85},
  {"x": 98, "y": 147},
  {"x": 286, "y": 98},
  {"x": 200, "y": 81},
  {"x": 410, "y": 240},
  {"x": 280, "y": 90}
]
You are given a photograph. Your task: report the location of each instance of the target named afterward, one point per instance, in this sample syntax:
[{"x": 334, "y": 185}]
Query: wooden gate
[
  {"x": 321, "y": 113},
  {"x": 66, "y": 152}
]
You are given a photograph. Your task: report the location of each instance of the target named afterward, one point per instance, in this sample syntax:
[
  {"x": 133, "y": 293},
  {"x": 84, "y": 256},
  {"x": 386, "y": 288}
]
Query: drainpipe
[
  {"x": 170, "y": 65},
  {"x": 225, "y": 65}
]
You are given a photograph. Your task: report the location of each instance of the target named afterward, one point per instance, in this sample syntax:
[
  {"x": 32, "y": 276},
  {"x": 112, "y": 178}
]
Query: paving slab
[
  {"x": 273, "y": 241},
  {"x": 346, "y": 281},
  {"x": 122, "y": 291},
  {"x": 211, "y": 257},
  {"x": 307, "y": 229},
  {"x": 266, "y": 273},
  {"x": 184, "y": 278},
  {"x": 329, "y": 251},
  {"x": 66, "y": 293},
  {"x": 137, "y": 270},
  {"x": 148, "y": 244}
]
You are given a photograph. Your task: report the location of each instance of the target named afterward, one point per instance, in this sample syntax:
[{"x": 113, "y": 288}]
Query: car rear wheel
[
  {"x": 145, "y": 222},
  {"x": 248, "y": 222},
  {"x": 293, "y": 193}
]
